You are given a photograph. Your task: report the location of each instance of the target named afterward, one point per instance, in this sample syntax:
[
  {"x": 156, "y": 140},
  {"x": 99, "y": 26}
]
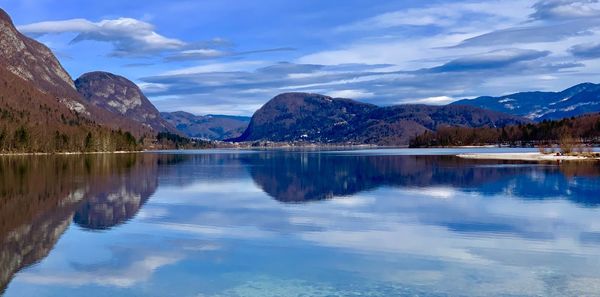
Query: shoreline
[
  {"x": 69, "y": 153},
  {"x": 522, "y": 156},
  {"x": 539, "y": 157}
]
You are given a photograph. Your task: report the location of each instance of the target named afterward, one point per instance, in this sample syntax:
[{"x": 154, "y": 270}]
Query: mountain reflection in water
[
  {"x": 40, "y": 196},
  {"x": 301, "y": 177}
]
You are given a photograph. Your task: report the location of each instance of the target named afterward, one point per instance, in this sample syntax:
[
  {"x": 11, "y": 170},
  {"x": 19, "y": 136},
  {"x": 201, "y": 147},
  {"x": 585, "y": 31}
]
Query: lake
[{"x": 393, "y": 222}]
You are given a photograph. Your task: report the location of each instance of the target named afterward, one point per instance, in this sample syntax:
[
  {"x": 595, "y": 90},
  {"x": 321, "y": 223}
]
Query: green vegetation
[{"x": 170, "y": 140}]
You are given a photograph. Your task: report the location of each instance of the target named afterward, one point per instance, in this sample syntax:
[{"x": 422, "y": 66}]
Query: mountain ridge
[
  {"x": 307, "y": 117},
  {"x": 210, "y": 126},
  {"x": 538, "y": 106},
  {"x": 101, "y": 100}
]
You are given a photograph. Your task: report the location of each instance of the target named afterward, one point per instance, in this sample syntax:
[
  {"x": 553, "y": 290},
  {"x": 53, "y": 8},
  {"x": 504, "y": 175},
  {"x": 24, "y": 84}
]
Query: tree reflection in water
[
  {"x": 301, "y": 177},
  {"x": 41, "y": 195}
]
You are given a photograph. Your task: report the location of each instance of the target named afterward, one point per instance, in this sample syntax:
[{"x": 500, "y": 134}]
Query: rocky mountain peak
[
  {"x": 119, "y": 95},
  {"x": 4, "y": 17},
  {"x": 32, "y": 61},
  {"x": 110, "y": 91}
]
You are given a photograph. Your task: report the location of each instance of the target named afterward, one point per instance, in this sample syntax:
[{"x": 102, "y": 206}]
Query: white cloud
[
  {"x": 56, "y": 27},
  {"x": 216, "y": 67},
  {"x": 152, "y": 87},
  {"x": 219, "y": 231},
  {"x": 443, "y": 15},
  {"x": 201, "y": 53},
  {"x": 403, "y": 52},
  {"x": 135, "y": 272},
  {"x": 438, "y": 100},
  {"x": 351, "y": 94},
  {"x": 128, "y": 36}
]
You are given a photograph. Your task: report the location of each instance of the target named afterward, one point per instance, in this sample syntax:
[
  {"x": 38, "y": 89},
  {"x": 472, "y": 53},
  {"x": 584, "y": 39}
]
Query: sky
[{"x": 231, "y": 57}]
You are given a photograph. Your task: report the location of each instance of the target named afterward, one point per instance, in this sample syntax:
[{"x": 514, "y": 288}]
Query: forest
[
  {"x": 167, "y": 140},
  {"x": 32, "y": 121},
  {"x": 576, "y": 130}
]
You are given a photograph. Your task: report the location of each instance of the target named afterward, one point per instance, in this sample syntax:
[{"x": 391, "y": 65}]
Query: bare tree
[{"x": 566, "y": 143}]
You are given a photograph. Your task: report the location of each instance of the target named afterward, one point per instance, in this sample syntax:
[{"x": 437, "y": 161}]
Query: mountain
[
  {"x": 399, "y": 124},
  {"x": 300, "y": 116},
  {"x": 538, "y": 106},
  {"x": 121, "y": 96},
  {"x": 34, "y": 62},
  {"x": 32, "y": 65},
  {"x": 213, "y": 127},
  {"x": 40, "y": 109},
  {"x": 318, "y": 118}
]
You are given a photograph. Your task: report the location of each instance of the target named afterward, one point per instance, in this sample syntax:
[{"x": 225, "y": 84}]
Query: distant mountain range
[
  {"x": 42, "y": 109},
  {"x": 212, "y": 127},
  {"x": 538, "y": 106},
  {"x": 322, "y": 119},
  {"x": 316, "y": 118}
]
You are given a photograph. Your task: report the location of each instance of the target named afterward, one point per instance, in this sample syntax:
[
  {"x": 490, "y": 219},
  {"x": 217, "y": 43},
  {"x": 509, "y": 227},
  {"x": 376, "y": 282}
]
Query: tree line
[
  {"x": 582, "y": 130},
  {"x": 167, "y": 140}
]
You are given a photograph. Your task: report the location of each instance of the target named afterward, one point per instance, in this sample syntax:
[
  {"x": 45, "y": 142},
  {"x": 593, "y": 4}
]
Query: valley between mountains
[{"x": 43, "y": 110}]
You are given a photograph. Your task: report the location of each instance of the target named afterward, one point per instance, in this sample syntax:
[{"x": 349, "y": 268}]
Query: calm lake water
[{"x": 297, "y": 223}]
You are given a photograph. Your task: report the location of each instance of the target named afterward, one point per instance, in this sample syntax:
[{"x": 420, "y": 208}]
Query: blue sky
[{"x": 232, "y": 56}]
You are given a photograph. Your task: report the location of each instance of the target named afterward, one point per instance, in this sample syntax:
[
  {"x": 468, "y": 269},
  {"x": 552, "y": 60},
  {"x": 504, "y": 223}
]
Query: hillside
[
  {"x": 40, "y": 111},
  {"x": 212, "y": 127},
  {"x": 583, "y": 129},
  {"x": 317, "y": 118},
  {"x": 33, "y": 121},
  {"x": 35, "y": 64},
  {"x": 300, "y": 116},
  {"x": 575, "y": 101},
  {"x": 122, "y": 97}
]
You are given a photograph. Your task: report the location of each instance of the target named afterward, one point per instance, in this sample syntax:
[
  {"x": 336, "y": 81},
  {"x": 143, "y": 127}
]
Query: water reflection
[
  {"x": 40, "y": 196},
  {"x": 300, "y": 177},
  {"x": 115, "y": 198},
  {"x": 227, "y": 224}
]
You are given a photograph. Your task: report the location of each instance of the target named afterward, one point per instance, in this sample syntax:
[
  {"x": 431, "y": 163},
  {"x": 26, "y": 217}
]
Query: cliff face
[
  {"x": 36, "y": 64},
  {"x": 40, "y": 109},
  {"x": 122, "y": 97},
  {"x": 318, "y": 118}
]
